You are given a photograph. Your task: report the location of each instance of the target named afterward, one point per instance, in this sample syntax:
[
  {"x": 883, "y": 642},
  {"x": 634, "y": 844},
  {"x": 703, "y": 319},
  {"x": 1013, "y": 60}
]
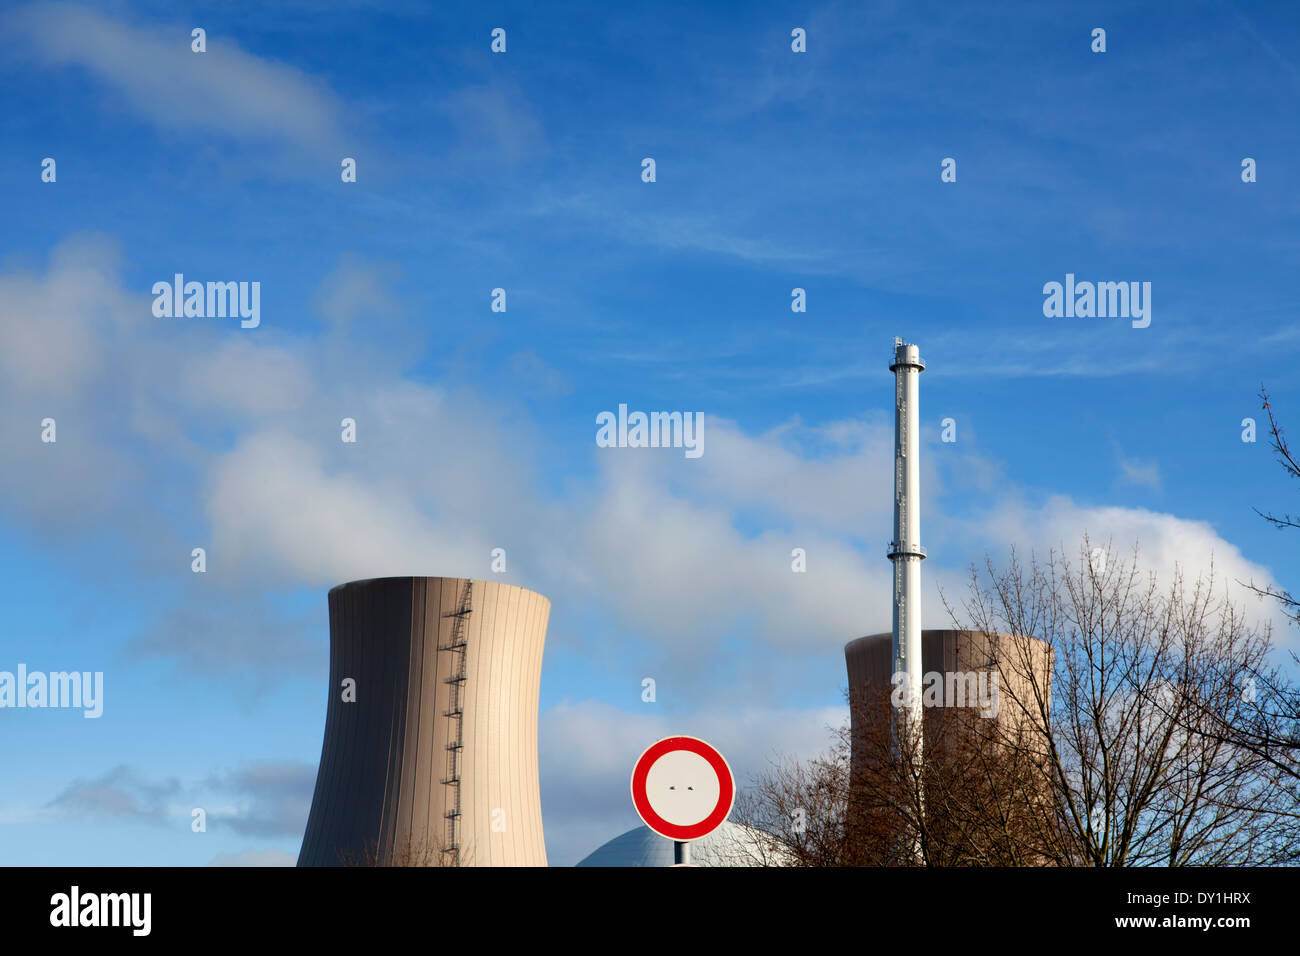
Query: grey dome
[{"x": 729, "y": 845}]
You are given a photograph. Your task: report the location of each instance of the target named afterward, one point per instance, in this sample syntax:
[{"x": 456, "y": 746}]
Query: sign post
[{"x": 683, "y": 790}]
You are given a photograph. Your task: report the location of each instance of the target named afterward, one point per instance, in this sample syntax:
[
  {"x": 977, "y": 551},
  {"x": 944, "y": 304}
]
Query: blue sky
[{"x": 522, "y": 170}]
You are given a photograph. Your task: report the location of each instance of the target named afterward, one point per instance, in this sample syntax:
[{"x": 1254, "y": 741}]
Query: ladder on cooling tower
[{"x": 455, "y": 710}]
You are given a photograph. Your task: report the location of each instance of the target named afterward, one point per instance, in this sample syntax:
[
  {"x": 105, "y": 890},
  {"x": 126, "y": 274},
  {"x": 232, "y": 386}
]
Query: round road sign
[{"x": 682, "y": 788}]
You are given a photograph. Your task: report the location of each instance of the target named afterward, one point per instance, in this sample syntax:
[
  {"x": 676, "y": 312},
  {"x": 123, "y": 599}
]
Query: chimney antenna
[{"x": 906, "y": 553}]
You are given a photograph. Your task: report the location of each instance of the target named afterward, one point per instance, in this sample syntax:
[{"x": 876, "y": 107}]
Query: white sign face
[{"x": 682, "y": 787}]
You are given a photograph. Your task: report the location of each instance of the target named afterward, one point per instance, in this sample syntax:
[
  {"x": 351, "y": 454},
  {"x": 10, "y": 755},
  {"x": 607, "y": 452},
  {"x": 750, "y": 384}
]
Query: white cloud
[
  {"x": 61, "y": 357},
  {"x": 685, "y": 554},
  {"x": 249, "y": 379},
  {"x": 355, "y": 289},
  {"x": 1166, "y": 544},
  {"x": 49, "y": 325},
  {"x": 275, "y": 509},
  {"x": 680, "y": 570},
  {"x": 828, "y": 475},
  {"x": 224, "y": 90}
]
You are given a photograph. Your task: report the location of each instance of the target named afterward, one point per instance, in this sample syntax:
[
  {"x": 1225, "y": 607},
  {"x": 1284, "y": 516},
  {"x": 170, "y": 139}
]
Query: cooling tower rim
[
  {"x": 863, "y": 642},
  {"x": 433, "y": 577}
]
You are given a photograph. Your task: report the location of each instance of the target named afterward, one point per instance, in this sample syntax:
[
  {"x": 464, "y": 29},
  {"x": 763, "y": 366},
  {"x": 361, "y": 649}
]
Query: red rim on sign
[{"x": 681, "y": 787}]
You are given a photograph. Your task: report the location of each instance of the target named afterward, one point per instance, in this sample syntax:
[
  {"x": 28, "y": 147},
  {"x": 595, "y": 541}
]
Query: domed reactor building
[
  {"x": 430, "y": 749},
  {"x": 731, "y": 844}
]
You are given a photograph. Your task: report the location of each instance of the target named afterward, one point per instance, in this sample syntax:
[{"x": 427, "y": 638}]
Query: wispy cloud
[
  {"x": 119, "y": 794},
  {"x": 259, "y": 799},
  {"x": 225, "y": 90},
  {"x": 273, "y": 798},
  {"x": 1136, "y": 471},
  {"x": 494, "y": 121}
]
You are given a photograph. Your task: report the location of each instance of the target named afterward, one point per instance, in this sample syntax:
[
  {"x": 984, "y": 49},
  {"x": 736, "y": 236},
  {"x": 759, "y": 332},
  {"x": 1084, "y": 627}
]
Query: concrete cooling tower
[
  {"x": 430, "y": 750},
  {"x": 979, "y": 716},
  {"x": 954, "y": 656}
]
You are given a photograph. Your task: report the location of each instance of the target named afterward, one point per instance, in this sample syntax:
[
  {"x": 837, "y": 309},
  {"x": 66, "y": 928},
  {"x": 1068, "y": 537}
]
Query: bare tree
[
  {"x": 429, "y": 851},
  {"x": 970, "y": 800},
  {"x": 1291, "y": 465},
  {"x": 1105, "y": 751},
  {"x": 974, "y": 799},
  {"x": 1269, "y": 722},
  {"x": 801, "y": 807},
  {"x": 1138, "y": 774}
]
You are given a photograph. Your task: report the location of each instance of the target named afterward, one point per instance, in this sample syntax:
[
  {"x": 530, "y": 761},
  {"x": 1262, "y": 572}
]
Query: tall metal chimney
[{"x": 905, "y": 550}]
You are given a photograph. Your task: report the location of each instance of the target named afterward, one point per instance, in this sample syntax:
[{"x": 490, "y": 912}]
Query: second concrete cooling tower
[
  {"x": 430, "y": 752},
  {"x": 1023, "y": 666}
]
